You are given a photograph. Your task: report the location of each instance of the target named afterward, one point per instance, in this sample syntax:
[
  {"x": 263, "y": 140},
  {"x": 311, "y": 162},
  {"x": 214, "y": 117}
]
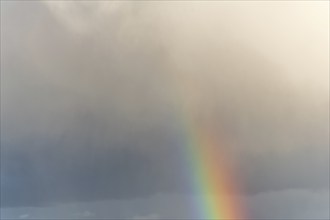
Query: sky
[{"x": 91, "y": 98}]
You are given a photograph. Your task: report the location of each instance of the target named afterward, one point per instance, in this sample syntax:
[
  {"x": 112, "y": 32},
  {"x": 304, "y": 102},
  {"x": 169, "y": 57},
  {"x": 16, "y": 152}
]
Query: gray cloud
[
  {"x": 290, "y": 204},
  {"x": 90, "y": 97},
  {"x": 286, "y": 204}
]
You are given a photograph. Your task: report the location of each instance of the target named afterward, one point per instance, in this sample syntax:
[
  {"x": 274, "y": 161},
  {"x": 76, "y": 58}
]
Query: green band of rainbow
[
  {"x": 211, "y": 177},
  {"x": 209, "y": 170}
]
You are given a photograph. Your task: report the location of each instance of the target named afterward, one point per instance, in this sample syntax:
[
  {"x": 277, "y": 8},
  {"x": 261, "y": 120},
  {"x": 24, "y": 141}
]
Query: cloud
[
  {"x": 151, "y": 216},
  {"x": 83, "y": 16},
  {"x": 84, "y": 214},
  {"x": 290, "y": 204},
  {"x": 24, "y": 216},
  {"x": 283, "y": 204},
  {"x": 90, "y": 95}
]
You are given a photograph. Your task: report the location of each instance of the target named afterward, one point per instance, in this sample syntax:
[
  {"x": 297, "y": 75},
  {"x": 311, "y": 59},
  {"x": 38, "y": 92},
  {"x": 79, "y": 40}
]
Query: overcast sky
[{"x": 90, "y": 95}]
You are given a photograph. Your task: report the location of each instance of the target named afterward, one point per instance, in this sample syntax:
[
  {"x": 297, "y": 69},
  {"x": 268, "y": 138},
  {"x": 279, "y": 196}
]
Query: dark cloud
[
  {"x": 89, "y": 106},
  {"x": 52, "y": 178}
]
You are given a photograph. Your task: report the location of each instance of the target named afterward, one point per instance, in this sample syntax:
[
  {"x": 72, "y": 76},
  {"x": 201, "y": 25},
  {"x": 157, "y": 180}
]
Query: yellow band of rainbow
[{"x": 209, "y": 171}]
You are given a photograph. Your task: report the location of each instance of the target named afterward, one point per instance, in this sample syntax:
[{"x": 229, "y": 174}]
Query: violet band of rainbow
[{"x": 208, "y": 168}]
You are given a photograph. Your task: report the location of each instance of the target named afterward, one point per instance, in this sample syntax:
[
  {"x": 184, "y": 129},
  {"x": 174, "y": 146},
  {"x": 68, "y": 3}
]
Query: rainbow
[{"x": 208, "y": 169}]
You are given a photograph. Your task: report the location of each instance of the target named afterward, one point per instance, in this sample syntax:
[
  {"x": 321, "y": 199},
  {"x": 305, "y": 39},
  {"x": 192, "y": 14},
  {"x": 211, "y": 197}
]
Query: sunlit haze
[{"x": 165, "y": 109}]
